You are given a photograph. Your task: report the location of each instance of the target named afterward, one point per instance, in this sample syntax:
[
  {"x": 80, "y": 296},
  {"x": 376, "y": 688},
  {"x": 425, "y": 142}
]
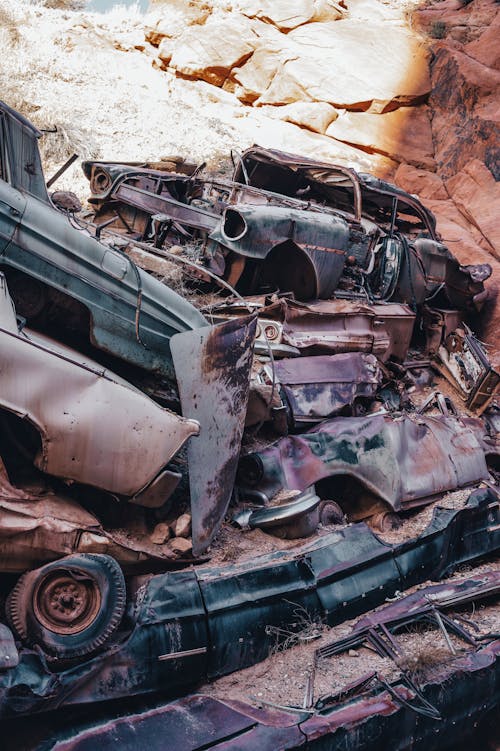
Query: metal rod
[
  {"x": 62, "y": 170},
  {"x": 445, "y": 633},
  {"x": 186, "y": 653}
]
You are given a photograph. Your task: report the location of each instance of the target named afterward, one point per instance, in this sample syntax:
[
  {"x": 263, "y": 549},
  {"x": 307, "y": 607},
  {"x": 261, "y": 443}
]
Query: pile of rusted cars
[{"x": 292, "y": 390}]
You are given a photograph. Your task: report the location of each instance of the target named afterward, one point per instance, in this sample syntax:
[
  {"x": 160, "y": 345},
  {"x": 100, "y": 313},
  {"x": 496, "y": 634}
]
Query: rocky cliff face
[
  {"x": 464, "y": 107},
  {"x": 348, "y": 74},
  {"x": 407, "y": 90}
]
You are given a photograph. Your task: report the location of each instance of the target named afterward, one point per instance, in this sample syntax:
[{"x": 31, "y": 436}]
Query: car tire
[{"x": 69, "y": 608}]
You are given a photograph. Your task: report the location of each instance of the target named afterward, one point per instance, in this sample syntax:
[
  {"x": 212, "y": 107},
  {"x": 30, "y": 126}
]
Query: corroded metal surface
[
  {"x": 286, "y": 228},
  {"x": 213, "y": 619},
  {"x": 126, "y": 312},
  {"x": 319, "y": 387},
  {"x": 213, "y": 367},
  {"x": 384, "y": 717},
  {"x": 65, "y": 396},
  {"x": 403, "y": 461}
]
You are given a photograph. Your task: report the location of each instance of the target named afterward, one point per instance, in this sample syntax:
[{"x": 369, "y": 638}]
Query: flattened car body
[
  {"x": 403, "y": 461},
  {"x": 94, "y": 427},
  {"x": 289, "y": 223},
  {"x": 419, "y": 265},
  {"x": 200, "y": 623}
]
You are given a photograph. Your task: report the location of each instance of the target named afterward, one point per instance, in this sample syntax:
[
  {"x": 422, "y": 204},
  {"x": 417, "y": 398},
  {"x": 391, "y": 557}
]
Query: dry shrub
[
  {"x": 8, "y": 25},
  {"x": 423, "y": 662},
  {"x": 437, "y": 30},
  {"x": 61, "y": 140},
  {"x": 304, "y": 629}
]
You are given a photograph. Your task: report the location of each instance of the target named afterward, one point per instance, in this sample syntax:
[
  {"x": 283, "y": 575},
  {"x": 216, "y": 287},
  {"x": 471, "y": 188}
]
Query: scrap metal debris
[
  {"x": 370, "y": 712},
  {"x": 319, "y": 368}
]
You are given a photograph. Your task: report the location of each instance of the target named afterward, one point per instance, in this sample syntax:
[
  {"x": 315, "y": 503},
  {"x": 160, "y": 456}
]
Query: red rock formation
[{"x": 464, "y": 109}]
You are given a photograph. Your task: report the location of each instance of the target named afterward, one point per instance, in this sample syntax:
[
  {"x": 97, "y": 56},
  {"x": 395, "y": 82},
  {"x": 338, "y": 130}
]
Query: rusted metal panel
[
  {"x": 319, "y": 387},
  {"x": 260, "y": 231},
  {"x": 383, "y": 716},
  {"x": 38, "y": 526},
  {"x": 438, "y": 324},
  {"x": 464, "y": 362},
  {"x": 403, "y": 461},
  {"x": 131, "y": 317},
  {"x": 162, "y": 204},
  {"x": 197, "y": 722},
  {"x": 227, "y": 608},
  {"x": 327, "y": 327},
  {"x": 213, "y": 370},
  {"x": 65, "y": 396},
  {"x": 333, "y": 326}
]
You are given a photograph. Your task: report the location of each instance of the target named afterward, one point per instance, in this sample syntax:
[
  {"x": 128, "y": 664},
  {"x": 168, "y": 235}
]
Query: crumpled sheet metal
[
  {"x": 263, "y": 230},
  {"x": 319, "y": 387},
  {"x": 226, "y": 609},
  {"x": 39, "y": 526},
  {"x": 213, "y": 374},
  {"x": 196, "y": 722},
  {"x": 473, "y": 589},
  {"x": 463, "y": 361},
  {"x": 404, "y": 461},
  {"x": 328, "y": 327},
  {"x": 94, "y": 427},
  {"x": 373, "y": 721},
  {"x": 347, "y": 326},
  {"x": 335, "y": 326}
]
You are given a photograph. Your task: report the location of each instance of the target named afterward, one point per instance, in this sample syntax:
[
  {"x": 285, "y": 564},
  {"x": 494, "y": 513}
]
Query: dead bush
[
  {"x": 303, "y": 630},
  {"x": 64, "y": 4},
  {"x": 437, "y": 30},
  {"x": 423, "y": 662}
]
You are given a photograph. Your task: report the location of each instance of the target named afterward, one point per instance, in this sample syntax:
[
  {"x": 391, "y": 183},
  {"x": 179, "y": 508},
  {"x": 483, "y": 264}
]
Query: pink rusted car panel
[
  {"x": 94, "y": 427},
  {"x": 403, "y": 461},
  {"x": 38, "y": 525}
]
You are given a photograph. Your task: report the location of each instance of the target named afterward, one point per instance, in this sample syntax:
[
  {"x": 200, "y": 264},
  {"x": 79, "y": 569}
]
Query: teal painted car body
[{"x": 132, "y": 315}]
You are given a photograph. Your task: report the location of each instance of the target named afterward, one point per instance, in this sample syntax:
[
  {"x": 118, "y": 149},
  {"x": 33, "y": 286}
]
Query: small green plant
[{"x": 437, "y": 30}]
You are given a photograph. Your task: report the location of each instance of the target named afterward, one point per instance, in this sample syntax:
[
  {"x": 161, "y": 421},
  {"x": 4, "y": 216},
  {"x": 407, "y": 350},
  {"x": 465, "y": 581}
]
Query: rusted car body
[
  {"x": 204, "y": 622},
  {"x": 344, "y": 285},
  {"x": 68, "y": 284},
  {"x": 39, "y": 525},
  {"x": 381, "y": 717},
  {"x": 327, "y": 327},
  {"x": 214, "y": 390},
  {"x": 463, "y": 361},
  {"x": 289, "y": 224},
  {"x": 65, "y": 397},
  {"x": 295, "y": 224},
  {"x": 372, "y": 461},
  {"x": 402, "y": 249},
  {"x": 369, "y": 714},
  {"x": 311, "y": 389},
  {"x": 56, "y": 270}
]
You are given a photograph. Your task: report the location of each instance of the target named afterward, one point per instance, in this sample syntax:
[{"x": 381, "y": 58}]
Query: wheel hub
[{"x": 65, "y": 604}]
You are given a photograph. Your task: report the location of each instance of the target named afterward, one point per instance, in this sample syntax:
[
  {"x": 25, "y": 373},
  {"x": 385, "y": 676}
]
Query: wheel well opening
[
  {"x": 288, "y": 268},
  {"x": 355, "y": 499}
]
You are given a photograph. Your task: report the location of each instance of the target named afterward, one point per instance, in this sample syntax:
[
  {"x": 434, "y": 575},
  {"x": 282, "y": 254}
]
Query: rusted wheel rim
[{"x": 66, "y": 603}]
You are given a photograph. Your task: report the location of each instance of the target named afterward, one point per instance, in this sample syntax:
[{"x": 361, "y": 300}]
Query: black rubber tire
[{"x": 102, "y": 576}]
